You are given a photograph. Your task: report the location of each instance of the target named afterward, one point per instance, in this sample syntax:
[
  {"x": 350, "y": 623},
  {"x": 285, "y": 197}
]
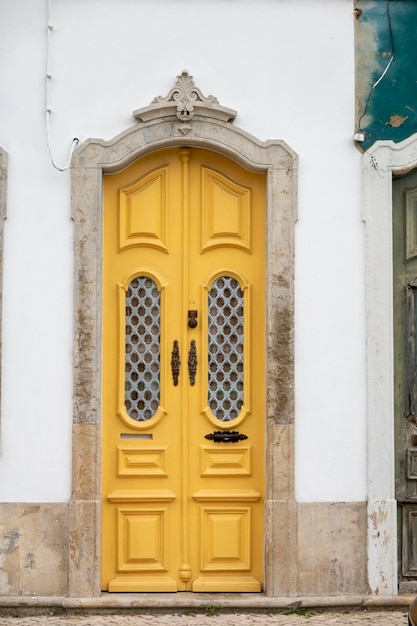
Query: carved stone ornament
[{"x": 184, "y": 101}]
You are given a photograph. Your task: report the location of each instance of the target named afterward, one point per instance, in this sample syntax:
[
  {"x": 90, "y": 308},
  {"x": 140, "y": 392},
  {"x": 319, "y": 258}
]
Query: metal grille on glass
[
  {"x": 142, "y": 360},
  {"x": 225, "y": 348}
]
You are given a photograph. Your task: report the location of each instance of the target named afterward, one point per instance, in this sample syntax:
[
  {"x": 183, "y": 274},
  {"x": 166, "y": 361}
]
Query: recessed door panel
[{"x": 183, "y": 375}]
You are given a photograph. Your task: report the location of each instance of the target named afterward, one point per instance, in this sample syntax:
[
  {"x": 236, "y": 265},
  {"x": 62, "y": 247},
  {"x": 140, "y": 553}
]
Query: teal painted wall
[{"x": 386, "y": 69}]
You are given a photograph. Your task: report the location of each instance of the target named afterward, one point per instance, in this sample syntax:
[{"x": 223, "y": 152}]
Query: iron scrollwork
[
  {"x": 226, "y": 436},
  {"x": 192, "y": 362},
  {"x": 175, "y": 362}
]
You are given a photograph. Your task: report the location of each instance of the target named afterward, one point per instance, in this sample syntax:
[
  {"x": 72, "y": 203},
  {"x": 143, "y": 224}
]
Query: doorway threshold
[{"x": 203, "y": 601}]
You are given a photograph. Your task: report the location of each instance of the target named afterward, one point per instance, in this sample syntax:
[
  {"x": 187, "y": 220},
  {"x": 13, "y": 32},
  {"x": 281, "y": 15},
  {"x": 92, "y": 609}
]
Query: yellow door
[{"x": 183, "y": 375}]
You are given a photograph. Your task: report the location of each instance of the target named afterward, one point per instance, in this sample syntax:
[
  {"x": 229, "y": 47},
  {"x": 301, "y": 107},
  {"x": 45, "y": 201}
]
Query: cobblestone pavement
[{"x": 213, "y": 617}]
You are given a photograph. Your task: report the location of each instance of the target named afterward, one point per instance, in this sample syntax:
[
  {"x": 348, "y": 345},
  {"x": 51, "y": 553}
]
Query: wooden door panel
[
  {"x": 143, "y": 211},
  {"x": 405, "y": 370},
  {"x": 141, "y": 461},
  {"x": 234, "y": 461},
  {"x": 142, "y": 539},
  {"x": 226, "y": 211},
  {"x": 409, "y": 541},
  {"x": 181, "y": 512},
  {"x": 141, "y": 443},
  {"x": 225, "y": 538},
  {"x": 227, "y": 478}
]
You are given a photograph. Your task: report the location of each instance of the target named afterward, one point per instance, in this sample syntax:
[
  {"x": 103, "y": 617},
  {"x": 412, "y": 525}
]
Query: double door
[{"x": 183, "y": 375}]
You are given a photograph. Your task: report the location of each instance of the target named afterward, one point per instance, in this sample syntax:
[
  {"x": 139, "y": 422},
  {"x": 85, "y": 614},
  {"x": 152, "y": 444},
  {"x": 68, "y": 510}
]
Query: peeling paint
[
  {"x": 73, "y": 545},
  {"x": 30, "y": 509},
  {"x": 378, "y": 518},
  {"x": 10, "y": 541},
  {"x": 396, "y": 120},
  {"x": 385, "y": 70}
]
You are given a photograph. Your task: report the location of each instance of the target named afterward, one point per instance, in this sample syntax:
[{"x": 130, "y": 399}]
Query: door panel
[
  {"x": 405, "y": 353},
  {"x": 183, "y": 375}
]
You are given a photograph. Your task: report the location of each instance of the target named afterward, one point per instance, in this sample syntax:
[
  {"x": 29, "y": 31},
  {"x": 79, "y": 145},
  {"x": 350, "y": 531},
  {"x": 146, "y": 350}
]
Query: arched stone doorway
[{"x": 183, "y": 118}]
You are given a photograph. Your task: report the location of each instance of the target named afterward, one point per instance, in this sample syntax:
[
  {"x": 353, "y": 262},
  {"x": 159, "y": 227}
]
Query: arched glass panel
[
  {"x": 225, "y": 348},
  {"x": 142, "y": 355}
]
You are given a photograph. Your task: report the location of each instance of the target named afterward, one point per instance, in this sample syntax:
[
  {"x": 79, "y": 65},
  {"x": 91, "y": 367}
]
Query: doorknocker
[{"x": 192, "y": 319}]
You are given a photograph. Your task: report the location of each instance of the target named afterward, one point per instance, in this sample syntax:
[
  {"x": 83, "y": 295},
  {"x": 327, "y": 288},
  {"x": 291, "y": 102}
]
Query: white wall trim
[{"x": 378, "y": 165}]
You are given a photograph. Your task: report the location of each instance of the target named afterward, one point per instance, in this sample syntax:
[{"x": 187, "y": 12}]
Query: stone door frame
[
  {"x": 191, "y": 121},
  {"x": 379, "y": 164}
]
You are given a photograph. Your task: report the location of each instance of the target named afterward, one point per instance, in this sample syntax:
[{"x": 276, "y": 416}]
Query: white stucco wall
[{"x": 287, "y": 66}]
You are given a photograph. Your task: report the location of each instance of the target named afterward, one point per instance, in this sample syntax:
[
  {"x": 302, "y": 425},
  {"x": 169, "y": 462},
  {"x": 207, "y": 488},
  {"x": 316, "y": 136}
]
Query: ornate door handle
[
  {"x": 175, "y": 362},
  {"x": 192, "y": 362}
]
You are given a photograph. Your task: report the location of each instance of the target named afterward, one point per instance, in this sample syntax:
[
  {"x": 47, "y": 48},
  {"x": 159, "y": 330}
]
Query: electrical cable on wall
[{"x": 48, "y": 109}]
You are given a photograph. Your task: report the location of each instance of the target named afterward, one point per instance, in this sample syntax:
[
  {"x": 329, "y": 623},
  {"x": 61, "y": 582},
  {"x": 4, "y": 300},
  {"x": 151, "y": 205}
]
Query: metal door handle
[
  {"x": 175, "y": 362},
  {"x": 192, "y": 362}
]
